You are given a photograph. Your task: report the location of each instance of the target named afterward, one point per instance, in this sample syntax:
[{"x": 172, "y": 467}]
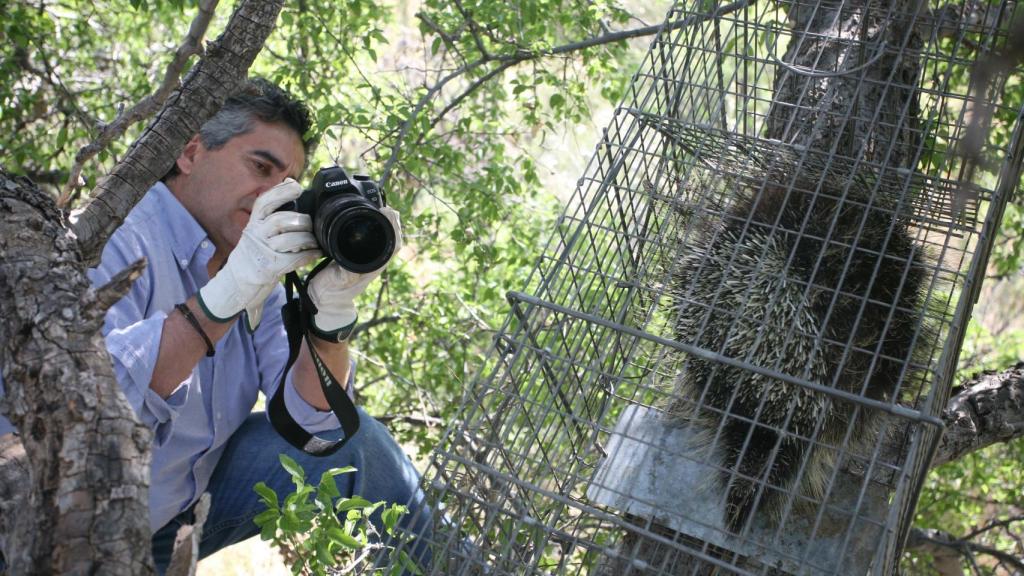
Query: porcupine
[{"x": 780, "y": 282}]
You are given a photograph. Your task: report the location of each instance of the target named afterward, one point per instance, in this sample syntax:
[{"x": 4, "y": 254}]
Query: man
[{"x": 189, "y": 364}]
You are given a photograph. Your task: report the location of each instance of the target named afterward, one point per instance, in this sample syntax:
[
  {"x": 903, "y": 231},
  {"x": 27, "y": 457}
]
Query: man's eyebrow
[{"x": 269, "y": 157}]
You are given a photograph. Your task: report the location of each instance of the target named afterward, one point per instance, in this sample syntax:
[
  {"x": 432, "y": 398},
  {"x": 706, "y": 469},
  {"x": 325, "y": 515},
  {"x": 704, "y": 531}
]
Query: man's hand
[
  {"x": 334, "y": 290},
  {"x": 272, "y": 244}
]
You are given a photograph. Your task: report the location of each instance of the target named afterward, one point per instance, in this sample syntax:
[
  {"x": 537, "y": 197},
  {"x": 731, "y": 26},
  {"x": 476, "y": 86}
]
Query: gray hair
[
  {"x": 259, "y": 99},
  {"x": 224, "y": 126}
]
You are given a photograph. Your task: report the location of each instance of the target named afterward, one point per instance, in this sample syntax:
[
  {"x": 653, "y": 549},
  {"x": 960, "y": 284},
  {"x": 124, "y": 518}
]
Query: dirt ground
[{"x": 248, "y": 558}]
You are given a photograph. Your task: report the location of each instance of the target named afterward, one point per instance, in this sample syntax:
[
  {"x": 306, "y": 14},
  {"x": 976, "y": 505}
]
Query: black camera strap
[{"x": 297, "y": 314}]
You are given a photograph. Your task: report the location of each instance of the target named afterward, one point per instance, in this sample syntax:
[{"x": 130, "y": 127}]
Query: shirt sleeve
[
  {"x": 133, "y": 338},
  {"x": 271, "y": 342}
]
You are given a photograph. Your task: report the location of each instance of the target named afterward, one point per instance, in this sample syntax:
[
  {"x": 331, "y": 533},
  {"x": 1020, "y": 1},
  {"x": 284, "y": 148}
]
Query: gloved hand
[
  {"x": 272, "y": 244},
  {"x": 334, "y": 290}
]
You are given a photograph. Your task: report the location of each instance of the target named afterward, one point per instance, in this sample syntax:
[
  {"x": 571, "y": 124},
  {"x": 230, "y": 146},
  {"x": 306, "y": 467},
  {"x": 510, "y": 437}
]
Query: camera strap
[{"x": 297, "y": 314}]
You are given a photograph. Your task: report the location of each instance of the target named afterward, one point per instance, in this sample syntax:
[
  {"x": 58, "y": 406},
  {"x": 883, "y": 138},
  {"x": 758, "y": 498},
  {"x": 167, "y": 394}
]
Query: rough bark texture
[
  {"x": 218, "y": 74},
  {"x": 86, "y": 507},
  {"x": 870, "y": 110},
  {"x": 986, "y": 410}
]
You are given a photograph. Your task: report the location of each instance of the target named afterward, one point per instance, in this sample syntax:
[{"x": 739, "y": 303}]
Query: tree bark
[
  {"x": 848, "y": 79},
  {"x": 985, "y": 410},
  {"x": 86, "y": 509}
]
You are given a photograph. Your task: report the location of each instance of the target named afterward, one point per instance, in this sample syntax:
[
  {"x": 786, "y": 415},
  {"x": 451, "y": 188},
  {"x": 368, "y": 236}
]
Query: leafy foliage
[
  {"x": 316, "y": 528},
  {"x": 449, "y": 106}
]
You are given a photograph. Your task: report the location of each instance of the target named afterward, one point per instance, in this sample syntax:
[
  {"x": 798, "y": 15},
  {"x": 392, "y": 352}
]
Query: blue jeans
[{"x": 251, "y": 456}]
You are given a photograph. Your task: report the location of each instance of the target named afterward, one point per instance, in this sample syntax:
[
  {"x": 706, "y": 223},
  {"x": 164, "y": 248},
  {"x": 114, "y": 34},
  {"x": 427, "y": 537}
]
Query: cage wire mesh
[{"x": 733, "y": 353}]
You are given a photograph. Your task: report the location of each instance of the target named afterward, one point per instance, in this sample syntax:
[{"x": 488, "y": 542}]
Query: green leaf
[
  {"x": 290, "y": 522},
  {"x": 391, "y": 515},
  {"x": 266, "y": 516},
  {"x": 346, "y": 504},
  {"x": 339, "y": 471},
  {"x": 343, "y": 538},
  {"x": 435, "y": 45},
  {"x": 328, "y": 487},
  {"x": 268, "y": 531},
  {"x": 408, "y": 564},
  {"x": 292, "y": 467},
  {"x": 323, "y": 554},
  {"x": 267, "y": 494}
]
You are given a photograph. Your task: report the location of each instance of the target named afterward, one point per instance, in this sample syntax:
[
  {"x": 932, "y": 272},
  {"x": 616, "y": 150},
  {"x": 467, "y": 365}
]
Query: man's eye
[{"x": 261, "y": 167}]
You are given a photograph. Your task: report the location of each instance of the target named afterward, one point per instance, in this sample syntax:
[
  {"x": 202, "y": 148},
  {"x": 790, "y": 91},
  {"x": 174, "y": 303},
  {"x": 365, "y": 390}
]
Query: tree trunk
[
  {"x": 88, "y": 457},
  {"x": 86, "y": 510},
  {"x": 848, "y": 79}
]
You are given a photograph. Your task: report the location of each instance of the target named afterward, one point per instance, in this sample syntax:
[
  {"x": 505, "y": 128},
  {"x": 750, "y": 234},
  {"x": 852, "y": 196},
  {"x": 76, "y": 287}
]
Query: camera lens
[
  {"x": 362, "y": 239},
  {"x": 356, "y": 235}
]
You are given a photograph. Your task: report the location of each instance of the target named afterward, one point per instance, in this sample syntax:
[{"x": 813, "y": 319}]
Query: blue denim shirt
[{"x": 194, "y": 423}]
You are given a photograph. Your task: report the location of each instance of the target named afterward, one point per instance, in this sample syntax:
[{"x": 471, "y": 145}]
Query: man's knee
[{"x": 386, "y": 467}]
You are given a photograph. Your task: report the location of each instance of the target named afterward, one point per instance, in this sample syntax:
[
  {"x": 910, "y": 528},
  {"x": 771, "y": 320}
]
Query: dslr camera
[{"x": 347, "y": 220}]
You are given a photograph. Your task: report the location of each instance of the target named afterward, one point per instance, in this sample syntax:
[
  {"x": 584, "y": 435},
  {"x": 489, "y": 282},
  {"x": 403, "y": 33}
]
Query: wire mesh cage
[{"x": 734, "y": 351}]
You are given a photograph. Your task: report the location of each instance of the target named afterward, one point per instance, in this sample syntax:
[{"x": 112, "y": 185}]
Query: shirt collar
[{"x": 186, "y": 232}]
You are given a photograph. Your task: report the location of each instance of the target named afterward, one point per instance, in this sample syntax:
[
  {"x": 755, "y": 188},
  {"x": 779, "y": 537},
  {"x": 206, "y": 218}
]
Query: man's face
[{"x": 219, "y": 187}]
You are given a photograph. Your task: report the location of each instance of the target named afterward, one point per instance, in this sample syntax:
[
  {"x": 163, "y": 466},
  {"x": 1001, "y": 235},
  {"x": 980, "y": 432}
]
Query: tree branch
[
  {"x": 186, "y": 542},
  {"x": 148, "y": 105},
  {"x": 473, "y": 29},
  {"x": 988, "y": 409},
  {"x": 948, "y": 550},
  {"x": 415, "y": 419},
  {"x": 218, "y": 74},
  {"x": 508, "y": 60},
  {"x": 454, "y": 103},
  {"x": 369, "y": 324}
]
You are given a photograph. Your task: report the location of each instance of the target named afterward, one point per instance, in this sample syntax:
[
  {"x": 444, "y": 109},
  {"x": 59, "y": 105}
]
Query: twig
[
  {"x": 929, "y": 539},
  {"x": 118, "y": 285},
  {"x": 50, "y": 77},
  {"x": 449, "y": 41},
  {"x": 473, "y": 29},
  {"x": 469, "y": 90},
  {"x": 995, "y": 524},
  {"x": 373, "y": 322},
  {"x": 509, "y": 60},
  {"x": 191, "y": 45},
  {"x": 414, "y": 419}
]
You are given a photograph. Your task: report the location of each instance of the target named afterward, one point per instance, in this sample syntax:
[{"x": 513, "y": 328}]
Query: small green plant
[{"x": 319, "y": 532}]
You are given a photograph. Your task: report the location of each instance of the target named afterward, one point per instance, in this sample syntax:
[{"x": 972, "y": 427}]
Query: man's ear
[{"x": 187, "y": 159}]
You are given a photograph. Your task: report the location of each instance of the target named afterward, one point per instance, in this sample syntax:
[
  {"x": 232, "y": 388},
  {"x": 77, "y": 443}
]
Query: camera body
[{"x": 347, "y": 220}]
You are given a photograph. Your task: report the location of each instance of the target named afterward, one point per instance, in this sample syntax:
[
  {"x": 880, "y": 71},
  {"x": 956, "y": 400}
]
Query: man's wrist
[
  {"x": 335, "y": 336},
  {"x": 208, "y": 308}
]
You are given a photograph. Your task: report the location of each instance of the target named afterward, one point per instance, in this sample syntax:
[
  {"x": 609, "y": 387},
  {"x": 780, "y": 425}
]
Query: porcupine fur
[{"x": 780, "y": 282}]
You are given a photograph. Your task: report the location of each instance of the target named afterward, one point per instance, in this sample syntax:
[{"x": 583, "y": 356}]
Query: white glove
[
  {"x": 272, "y": 244},
  {"x": 334, "y": 290}
]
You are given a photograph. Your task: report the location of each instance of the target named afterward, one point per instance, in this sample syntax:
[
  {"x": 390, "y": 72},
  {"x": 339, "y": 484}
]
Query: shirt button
[
  {"x": 204, "y": 243},
  {"x": 220, "y": 415},
  {"x": 184, "y": 262}
]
